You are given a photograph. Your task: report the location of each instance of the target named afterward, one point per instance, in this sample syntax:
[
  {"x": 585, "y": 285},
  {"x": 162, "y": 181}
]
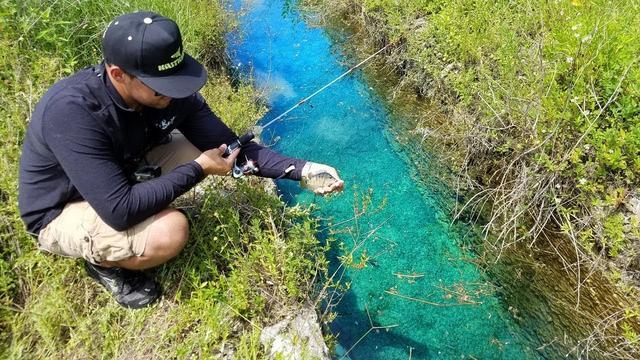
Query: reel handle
[{"x": 242, "y": 140}]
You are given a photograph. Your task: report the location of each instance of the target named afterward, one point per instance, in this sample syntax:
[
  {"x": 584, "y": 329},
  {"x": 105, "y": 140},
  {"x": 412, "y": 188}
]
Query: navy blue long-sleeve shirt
[{"x": 84, "y": 143}]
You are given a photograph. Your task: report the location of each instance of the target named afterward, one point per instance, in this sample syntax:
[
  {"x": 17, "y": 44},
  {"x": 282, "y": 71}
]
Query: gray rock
[
  {"x": 449, "y": 68},
  {"x": 632, "y": 204},
  {"x": 297, "y": 337}
]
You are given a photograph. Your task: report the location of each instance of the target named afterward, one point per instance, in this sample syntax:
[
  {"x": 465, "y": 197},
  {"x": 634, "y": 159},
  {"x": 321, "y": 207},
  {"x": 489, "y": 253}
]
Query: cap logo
[{"x": 178, "y": 56}]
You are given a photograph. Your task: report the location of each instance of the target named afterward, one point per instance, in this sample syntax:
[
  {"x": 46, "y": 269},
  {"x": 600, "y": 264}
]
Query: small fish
[{"x": 317, "y": 181}]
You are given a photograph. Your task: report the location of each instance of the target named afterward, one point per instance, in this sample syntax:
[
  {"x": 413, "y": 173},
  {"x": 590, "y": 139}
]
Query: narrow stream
[{"x": 409, "y": 277}]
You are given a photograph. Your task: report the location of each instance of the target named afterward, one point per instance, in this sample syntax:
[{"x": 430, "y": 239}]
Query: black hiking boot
[{"x": 131, "y": 289}]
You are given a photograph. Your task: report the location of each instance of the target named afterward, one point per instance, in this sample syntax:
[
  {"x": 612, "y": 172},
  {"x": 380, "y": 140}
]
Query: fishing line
[
  {"x": 257, "y": 130},
  {"x": 250, "y": 166},
  {"x": 324, "y": 87}
]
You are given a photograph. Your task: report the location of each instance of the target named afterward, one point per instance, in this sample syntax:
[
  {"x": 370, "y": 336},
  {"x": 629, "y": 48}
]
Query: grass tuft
[{"x": 249, "y": 258}]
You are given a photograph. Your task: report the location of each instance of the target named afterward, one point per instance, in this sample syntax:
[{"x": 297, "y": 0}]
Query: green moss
[{"x": 614, "y": 239}]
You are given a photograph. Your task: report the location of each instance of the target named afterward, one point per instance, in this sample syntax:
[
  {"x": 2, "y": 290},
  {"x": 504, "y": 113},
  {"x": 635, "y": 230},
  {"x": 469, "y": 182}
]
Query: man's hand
[
  {"x": 321, "y": 179},
  {"x": 213, "y": 163}
]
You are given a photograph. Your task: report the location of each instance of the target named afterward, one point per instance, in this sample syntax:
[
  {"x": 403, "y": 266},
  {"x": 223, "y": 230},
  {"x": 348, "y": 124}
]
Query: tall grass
[{"x": 248, "y": 259}]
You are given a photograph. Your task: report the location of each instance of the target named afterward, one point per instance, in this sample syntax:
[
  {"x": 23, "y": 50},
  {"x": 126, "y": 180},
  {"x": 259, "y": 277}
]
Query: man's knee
[{"x": 168, "y": 234}]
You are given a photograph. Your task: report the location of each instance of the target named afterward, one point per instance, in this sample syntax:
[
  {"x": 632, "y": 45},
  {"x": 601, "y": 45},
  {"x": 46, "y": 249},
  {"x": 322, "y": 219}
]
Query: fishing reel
[
  {"x": 248, "y": 168},
  {"x": 242, "y": 140}
]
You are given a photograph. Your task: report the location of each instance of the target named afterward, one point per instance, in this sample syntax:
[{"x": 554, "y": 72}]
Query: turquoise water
[{"x": 446, "y": 310}]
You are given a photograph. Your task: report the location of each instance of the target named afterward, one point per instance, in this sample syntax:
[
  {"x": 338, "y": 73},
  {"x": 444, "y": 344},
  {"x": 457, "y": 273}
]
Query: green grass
[{"x": 249, "y": 258}]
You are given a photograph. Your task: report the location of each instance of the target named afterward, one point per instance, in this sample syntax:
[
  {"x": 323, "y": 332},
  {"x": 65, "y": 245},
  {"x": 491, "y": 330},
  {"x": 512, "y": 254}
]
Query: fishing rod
[{"x": 257, "y": 130}]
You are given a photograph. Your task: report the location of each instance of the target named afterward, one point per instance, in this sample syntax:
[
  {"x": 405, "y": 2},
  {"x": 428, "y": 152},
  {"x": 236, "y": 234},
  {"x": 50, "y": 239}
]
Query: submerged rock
[{"x": 296, "y": 337}]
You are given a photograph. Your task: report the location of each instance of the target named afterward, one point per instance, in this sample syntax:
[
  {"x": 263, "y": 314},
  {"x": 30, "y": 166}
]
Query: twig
[
  {"x": 367, "y": 333},
  {"x": 242, "y": 316},
  {"x": 423, "y": 301},
  {"x": 410, "y": 276}
]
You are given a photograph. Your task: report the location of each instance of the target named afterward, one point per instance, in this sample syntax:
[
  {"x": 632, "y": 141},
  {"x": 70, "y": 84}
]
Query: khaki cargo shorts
[{"x": 79, "y": 232}]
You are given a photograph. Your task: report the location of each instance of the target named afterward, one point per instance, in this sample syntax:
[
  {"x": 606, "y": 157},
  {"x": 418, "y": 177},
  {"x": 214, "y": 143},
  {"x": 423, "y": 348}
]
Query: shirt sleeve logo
[{"x": 164, "y": 123}]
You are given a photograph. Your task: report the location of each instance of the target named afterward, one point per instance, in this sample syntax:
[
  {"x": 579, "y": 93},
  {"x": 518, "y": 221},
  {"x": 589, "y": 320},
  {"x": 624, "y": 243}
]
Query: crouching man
[{"x": 80, "y": 192}]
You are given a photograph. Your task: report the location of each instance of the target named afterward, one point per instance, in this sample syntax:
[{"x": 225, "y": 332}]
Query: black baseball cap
[{"x": 149, "y": 46}]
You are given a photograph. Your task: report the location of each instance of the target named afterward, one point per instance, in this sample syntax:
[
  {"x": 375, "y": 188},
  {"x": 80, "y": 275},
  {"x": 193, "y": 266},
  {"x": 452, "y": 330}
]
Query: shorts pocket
[
  {"x": 59, "y": 242},
  {"x": 107, "y": 243},
  {"x": 90, "y": 243},
  {"x": 70, "y": 234}
]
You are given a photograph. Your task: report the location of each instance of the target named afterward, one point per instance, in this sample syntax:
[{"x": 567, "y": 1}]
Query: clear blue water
[{"x": 346, "y": 126}]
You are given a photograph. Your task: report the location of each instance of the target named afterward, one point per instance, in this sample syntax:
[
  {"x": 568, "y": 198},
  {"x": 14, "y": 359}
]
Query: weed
[{"x": 248, "y": 259}]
